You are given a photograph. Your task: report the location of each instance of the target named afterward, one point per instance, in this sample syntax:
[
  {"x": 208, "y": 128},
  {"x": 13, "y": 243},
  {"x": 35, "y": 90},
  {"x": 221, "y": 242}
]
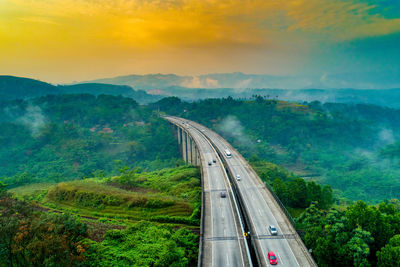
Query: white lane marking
[
  {"x": 280, "y": 259},
  {"x": 206, "y": 142},
  {"x": 227, "y": 184}
]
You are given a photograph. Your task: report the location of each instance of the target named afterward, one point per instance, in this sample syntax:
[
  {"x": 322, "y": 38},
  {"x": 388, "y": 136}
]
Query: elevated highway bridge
[{"x": 234, "y": 230}]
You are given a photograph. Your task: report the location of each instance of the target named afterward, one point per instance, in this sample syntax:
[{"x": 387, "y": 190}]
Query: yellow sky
[{"x": 64, "y": 40}]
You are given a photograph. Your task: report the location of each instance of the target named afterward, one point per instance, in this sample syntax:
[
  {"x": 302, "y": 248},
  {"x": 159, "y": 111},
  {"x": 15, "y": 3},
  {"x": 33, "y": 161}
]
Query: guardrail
[
  {"x": 277, "y": 200},
  {"x": 201, "y": 239},
  {"x": 292, "y": 222}
]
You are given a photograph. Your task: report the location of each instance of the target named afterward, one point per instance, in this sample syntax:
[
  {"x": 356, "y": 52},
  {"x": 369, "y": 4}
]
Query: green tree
[
  {"x": 389, "y": 256},
  {"x": 298, "y": 193},
  {"x": 326, "y": 197}
]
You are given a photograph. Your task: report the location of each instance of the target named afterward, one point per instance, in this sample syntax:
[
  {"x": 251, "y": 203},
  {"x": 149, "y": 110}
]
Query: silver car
[{"x": 272, "y": 230}]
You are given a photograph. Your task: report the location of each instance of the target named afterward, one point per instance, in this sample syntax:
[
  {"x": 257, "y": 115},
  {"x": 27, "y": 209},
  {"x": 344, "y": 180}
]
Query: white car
[
  {"x": 272, "y": 230},
  {"x": 238, "y": 177}
]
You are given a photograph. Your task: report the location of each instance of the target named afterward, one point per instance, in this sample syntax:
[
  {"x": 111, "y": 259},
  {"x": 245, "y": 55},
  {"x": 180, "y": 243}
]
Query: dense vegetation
[
  {"x": 31, "y": 238},
  {"x": 23, "y": 88},
  {"x": 167, "y": 196},
  {"x": 57, "y": 138},
  {"x": 292, "y": 191},
  {"x": 79, "y": 146},
  {"x": 337, "y": 144},
  {"x": 144, "y": 244},
  {"x": 361, "y": 235}
]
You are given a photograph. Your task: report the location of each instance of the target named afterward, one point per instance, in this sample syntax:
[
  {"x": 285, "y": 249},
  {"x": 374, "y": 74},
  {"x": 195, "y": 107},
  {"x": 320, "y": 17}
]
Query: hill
[
  {"x": 240, "y": 85},
  {"x": 164, "y": 196},
  {"x": 345, "y": 146},
  {"x": 23, "y": 88},
  {"x": 64, "y": 137},
  {"x": 238, "y": 80},
  {"x": 108, "y": 89},
  {"x": 15, "y": 87},
  {"x": 134, "y": 219}
]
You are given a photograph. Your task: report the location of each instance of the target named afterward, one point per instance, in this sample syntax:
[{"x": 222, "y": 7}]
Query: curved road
[
  {"x": 261, "y": 209},
  {"x": 223, "y": 240}
]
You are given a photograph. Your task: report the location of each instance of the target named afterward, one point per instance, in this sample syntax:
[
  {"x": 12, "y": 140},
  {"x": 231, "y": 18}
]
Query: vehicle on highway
[
  {"x": 238, "y": 177},
  {"x": 209, "y": 163},
  {"x": 272, "y": 230},
  {"x": 228, "y": 154},
  {"x": 223, "y": 194},
  {"x": 214, "y": 160},
  {"x": 272, "y": 258}
]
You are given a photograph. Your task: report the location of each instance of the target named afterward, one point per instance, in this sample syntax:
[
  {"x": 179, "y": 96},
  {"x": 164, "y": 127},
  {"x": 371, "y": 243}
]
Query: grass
[
  {"x": 295, "y": 212},
  {"x": 31, "y": 191},
  {"x": 166, "y": 196}
]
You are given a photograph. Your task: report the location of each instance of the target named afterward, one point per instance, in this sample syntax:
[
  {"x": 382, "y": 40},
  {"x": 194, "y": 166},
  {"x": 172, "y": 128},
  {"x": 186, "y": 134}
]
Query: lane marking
[
  {"x": 207, "y": 144},
  {"x": 280, "y": 259},
  {"x": 226, "y": 180}
]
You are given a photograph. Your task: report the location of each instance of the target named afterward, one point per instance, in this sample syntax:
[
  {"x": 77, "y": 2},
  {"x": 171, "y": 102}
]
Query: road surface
[
  {"x": 261, "y": 208},
  {"x": 223, "y": 238}
]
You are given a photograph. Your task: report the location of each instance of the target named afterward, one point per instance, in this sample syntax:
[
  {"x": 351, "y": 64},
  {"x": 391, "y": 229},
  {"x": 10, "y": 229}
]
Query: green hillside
[
  {"x": 66, "y": 137},
  {"x": 24, "y": 88},
  {"x": 166, "y": 196},
  {"x": 16, "y": 87},
  {"x": 32, "y": 235},
  {"x": 349, "y": 147}
]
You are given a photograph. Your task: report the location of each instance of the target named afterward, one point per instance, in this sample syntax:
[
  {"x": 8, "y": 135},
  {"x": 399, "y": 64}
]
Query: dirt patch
[
  {"x": 133, "y": 188},
  {"x": 97, "y": 230}
]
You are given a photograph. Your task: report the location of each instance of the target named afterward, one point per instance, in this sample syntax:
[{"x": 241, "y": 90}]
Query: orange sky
[{"x": 66, "y": 40}]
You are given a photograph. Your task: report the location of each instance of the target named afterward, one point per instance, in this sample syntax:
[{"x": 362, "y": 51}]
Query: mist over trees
[
  {"x": 344, "y": 146},
  {"x": 64, "y": 137},
  {"x": 335, "y": 153}
]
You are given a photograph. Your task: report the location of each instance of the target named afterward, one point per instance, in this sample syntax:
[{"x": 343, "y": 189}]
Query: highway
[
  {"x": 261, "y": 208},
  {"x": 223, "y": 241}
]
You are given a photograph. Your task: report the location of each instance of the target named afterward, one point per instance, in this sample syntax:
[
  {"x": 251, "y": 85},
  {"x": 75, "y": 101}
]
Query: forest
[
  {"x": 88, "y": 180},
  {"x": 66, "y": 137},
  {"x": 350, "y": 147},
  {"x": 35, "y": 238}
]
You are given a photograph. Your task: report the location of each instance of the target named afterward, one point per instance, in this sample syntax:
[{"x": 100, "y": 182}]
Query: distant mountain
[
  {"x": 382, "y": 97},
  {"x": 23, "y": 88},
  {"x": 370, "y": 88},
  {"x": 238, "y": 80},
  {"x": 210, "y": 81},
  {"x": 145, "y": 82},
  {"x": 109, "y": 89},
  {"x": 16, "y": 87}
]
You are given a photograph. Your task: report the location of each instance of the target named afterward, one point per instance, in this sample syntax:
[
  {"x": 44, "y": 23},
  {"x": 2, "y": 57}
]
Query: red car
[{"x": 272, "y": 258}]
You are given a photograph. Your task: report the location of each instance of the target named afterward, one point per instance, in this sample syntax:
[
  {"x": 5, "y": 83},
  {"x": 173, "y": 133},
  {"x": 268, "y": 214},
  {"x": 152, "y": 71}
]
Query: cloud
[
  {"x": 199, "y": 22},
  {"x": 386, "y": 136},
  {"x": 193, "y": 82},
  {"x": 196, "y": 82},
  {"x": 243, "y": 84},
  {"x": 220, "y": 34},
  {"x": 231, "y": 127},
  {"x": 211, "y": 83},
  {"x": 33, "y": 119}
]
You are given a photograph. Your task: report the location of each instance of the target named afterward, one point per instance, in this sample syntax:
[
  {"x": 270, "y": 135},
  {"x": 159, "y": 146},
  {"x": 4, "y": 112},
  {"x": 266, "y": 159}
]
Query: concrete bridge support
[{"x": 187, "y": 147}]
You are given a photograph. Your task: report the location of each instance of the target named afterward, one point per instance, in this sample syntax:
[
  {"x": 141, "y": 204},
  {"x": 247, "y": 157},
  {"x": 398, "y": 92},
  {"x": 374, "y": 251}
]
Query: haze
[{"x": 61, "y": 41}]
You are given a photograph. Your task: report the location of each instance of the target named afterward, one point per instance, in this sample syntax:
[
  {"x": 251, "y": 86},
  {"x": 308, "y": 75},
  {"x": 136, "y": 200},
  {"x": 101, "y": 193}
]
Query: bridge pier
[{"x": 187, "y": 147}]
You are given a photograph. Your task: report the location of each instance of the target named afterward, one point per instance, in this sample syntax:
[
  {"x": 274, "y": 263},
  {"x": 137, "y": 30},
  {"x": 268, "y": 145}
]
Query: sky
[{"x": 61, "y": 41}]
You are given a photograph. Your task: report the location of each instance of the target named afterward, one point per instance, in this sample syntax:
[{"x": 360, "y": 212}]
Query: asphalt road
[
  {"x": 262, "y": 209},
  {"x": 223, "y": 240}
]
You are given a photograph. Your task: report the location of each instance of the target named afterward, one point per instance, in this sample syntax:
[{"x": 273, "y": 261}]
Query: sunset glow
[{"x": 65, "y": 40}]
